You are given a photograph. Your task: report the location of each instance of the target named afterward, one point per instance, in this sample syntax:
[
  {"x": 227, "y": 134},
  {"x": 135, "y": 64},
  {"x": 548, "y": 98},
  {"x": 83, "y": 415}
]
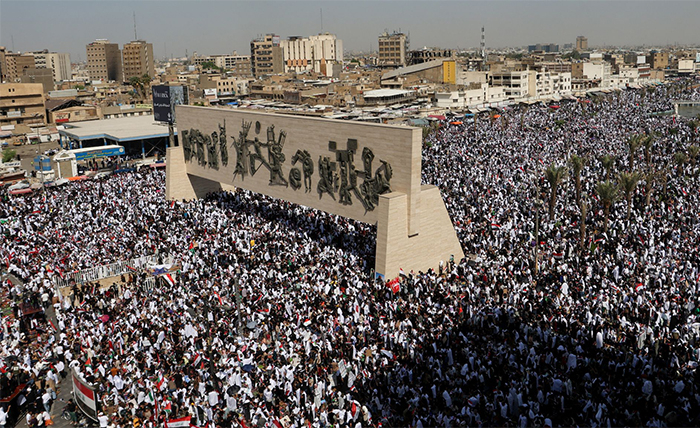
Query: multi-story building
[
  {"x": 138, "y": 60},
  {"x": 12, "y": 65},
  {"x": 238, "y": 65},
  {"x": 322, "y": 53},
  {"x": 21, "y": 103},
  {"x": 104, "y": 61},
  {"x": 543, "y": 48},
  {"x": 44, "y": 76},
  {"x": 658, "y": 60},
  {"x": 266, "y": 55},
  {"x": 549, "y": 84},
  {"x": 58, "y": 63},
  {"x": 392, "y": 50},
  {"x": 581, "y": 43},
  {"x": 517, "y": 84}
]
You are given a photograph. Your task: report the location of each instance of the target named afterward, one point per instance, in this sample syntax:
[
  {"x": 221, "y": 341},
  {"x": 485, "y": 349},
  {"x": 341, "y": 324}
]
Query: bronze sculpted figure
[
  {"x": 185, "y": 141},
  {"x": 213, "y": 156},
  {"x": 241, "y": 146},
  {"x": 327, "y": 182},
  {"x": 223, "y": 146},
  {"x": 373, "y": 186},
  {"x": 307, "y": 163}
]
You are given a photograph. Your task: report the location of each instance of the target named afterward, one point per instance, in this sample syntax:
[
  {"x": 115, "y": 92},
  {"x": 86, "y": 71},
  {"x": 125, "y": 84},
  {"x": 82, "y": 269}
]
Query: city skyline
[{"x": 225, "y": 26}]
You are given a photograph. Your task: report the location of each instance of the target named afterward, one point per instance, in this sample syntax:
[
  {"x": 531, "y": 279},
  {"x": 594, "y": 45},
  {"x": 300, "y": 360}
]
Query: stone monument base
[{"x": 435, "y": 241}]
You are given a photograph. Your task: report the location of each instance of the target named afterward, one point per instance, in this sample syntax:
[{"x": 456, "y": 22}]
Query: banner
[
  {"x": 85, "y": 397},
  {"x": 165, "y": 98}
]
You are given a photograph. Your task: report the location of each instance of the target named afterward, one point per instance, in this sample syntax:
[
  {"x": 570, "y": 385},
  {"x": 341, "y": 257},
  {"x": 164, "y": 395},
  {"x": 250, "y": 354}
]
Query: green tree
[
  {"x": 555, "y": 175},
  {"x": 8, "y": 155},
  {"x": 628, "y": 184},
  {"x": 209, "y": 65},
  {"x": 146, "y": 85},
  {"x": 693, "y": 152},
  {"x": 577, "y": 163},
  {"x": 649, "y": 179},
  {"x": 607, "y": 192},
  {"x": 584, "y": 207},
  {"x": 633, "y": 144},
  {"x": 680, "y": 159},
  {"x": 608, "y": 164},
  {"x": 648, "y": 143},
  {"x": 135, "y": 82}
]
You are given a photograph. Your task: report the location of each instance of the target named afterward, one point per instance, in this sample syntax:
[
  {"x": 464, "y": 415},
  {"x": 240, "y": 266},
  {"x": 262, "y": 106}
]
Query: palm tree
[
  {"x": 648, "y": 143},
  {"x": 577, "y": 163},
  {"x": 649, "y": 178},
  {"x": 693, "y": 152},
  {"x": 584, "y": 206},
  {"x": 633, "y": 144},
  {"x": 608, "y": 163},
  {"x": 555, "y": 175},
  {"x": 680, "y": 158},
  {"x": 628, "y": 183},
  {"x": 607, "y": 192},
  {"x": 693, "y": 124}
]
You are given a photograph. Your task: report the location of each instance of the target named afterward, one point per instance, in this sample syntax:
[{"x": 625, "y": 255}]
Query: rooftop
[{"x": 120, "y": 129}]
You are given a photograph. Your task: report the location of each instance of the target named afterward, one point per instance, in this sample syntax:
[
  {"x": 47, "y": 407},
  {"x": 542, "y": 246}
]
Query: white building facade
[
  {"x": 321, "y": 53},
  {"x": 59, "y": 63}
]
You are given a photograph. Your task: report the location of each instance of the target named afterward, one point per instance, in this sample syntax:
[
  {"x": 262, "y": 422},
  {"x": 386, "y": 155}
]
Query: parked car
[{"x": 24, "y": 184}]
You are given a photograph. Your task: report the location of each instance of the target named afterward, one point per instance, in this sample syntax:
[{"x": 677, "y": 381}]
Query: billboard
[{"x": 165, "y": 98}]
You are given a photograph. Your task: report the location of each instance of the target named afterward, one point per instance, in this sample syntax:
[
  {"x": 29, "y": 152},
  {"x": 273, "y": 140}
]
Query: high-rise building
[
  {"x": 266, "y": 55},
  {"x": 138, "y": 60},
  {"x": 58, "y": 63},
  {"x": 104, "y": 61},
  {"x": 321, "y": 53},
  {"x": 392, "y": 49},
  {"x": 12, "y": 65},
  {"x": 581, "y": 43}
]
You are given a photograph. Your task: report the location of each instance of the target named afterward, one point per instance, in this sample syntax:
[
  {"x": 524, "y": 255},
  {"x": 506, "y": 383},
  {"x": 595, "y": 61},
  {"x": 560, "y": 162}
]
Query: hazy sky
[{"x": 217, "y": 27}]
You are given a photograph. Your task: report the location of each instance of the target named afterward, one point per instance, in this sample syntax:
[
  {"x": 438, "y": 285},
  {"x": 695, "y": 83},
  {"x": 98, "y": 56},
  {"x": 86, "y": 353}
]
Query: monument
[{"x": 367, "y": 172}]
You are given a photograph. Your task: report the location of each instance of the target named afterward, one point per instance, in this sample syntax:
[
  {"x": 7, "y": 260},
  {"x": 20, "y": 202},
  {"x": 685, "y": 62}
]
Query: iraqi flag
[
  {"x": 161, "y": 383},
  {"x": 197, "y": 359},
  {"x": 169, "y": 279},
  {"x": 219, "y": 298},
  {"x": 85, "y": 397},
  {"x": 394, "y": 285},
  {"x": 181, "y": 422}
]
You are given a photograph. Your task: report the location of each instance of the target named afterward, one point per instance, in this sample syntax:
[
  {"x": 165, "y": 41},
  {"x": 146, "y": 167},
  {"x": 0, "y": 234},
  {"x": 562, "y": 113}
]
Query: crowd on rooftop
[{"x": 274, "y": 318}]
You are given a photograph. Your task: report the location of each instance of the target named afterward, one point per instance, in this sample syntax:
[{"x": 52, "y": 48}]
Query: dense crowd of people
[{"x": 274, "y": 318}]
